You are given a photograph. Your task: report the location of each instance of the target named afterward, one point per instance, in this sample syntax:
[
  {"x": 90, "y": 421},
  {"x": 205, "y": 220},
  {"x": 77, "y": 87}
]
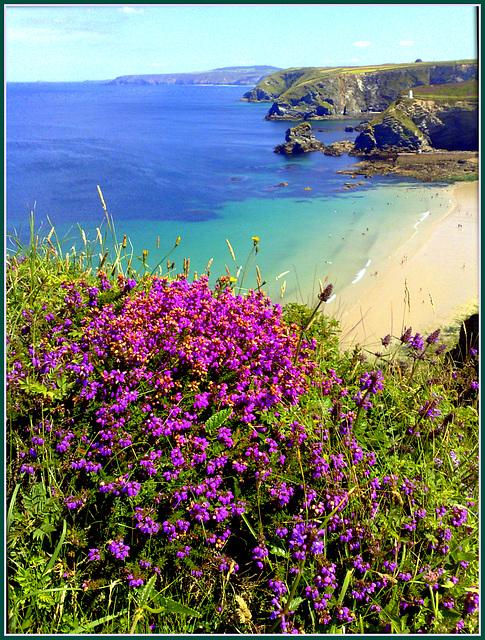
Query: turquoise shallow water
[
  {"x": 343, "y": 238},
  {"x": 195, "y": 162}
]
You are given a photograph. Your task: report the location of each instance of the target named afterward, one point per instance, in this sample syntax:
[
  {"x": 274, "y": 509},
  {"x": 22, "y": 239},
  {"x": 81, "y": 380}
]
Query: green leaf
[
  {"x": 170, "y": 606},
  {"x": 217, "y": 420},
  {"x": 295, "y": 603},
  {"x": 145, "y": 594},
  {"x": 243, "y": 516},
  {"x": 11, "y": 507},
  {"x": 57, "y": 549},
  {"x": 345, "y": 586},
  {"x": 451, "y": 614},
  {"x": 277, "y": 551},
  {"x": 95, "y": 623},
  {"x": 38, "y": 534},
  {"x": 448, "y": 584},
  {"x": 461, "y": 556}
]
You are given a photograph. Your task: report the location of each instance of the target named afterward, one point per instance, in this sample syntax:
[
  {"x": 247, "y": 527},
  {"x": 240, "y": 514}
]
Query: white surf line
[
  {"x": 361, "y": 272},
  {"x": 425, "y": 215},
  {"x": 331, "y": 298}
]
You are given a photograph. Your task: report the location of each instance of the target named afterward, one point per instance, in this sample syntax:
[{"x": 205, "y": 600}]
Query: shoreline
[{"x": 431, "y": 287}]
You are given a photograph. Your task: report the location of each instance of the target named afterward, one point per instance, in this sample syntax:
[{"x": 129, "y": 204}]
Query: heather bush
[{"x": 182, "y": 459}]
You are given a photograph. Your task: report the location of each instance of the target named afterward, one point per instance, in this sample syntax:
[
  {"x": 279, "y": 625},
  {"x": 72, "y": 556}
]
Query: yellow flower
[{"x": 255, "y": 239}]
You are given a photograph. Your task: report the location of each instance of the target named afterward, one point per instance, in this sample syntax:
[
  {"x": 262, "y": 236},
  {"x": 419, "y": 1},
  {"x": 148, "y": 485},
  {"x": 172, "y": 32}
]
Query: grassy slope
[
  {"x": 453, "y": 91},
  {"x": 444, "y": 93}
]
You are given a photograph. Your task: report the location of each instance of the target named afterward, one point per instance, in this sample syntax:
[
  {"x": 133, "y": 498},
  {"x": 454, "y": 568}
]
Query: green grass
[{"x": 467, "y": 90}]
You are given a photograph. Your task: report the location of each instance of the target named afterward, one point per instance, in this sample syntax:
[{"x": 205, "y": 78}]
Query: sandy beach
[{"x": 428, "y": 284}]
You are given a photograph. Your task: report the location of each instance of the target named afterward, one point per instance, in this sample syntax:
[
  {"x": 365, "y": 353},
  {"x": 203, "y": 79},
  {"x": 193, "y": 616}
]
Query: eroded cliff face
[
  {"x": 450, "y": 126},
  {"x": 413, "y": 124},
  {"x": 321, "y": 93}
]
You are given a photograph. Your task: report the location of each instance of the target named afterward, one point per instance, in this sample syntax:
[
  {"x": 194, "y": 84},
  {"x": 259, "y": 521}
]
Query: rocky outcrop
[
  {"x": 339, "y": 148},
  {"x": 420, "y": 124},
  {"x": 391, "y": 134},
  {"x": 320, "y": 93},
  {"x": 299, "y": 139},
  {"x": 432, "y": 166}
]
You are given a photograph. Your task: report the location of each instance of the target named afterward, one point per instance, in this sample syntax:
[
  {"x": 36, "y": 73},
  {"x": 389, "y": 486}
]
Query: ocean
[{"x": 196, "y": 162}]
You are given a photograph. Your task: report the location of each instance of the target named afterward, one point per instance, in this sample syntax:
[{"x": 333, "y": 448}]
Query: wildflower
[
  {"x": 372, "y": 380},
  {"x": 326, "y": 293},
  {"x": 134, "y": 582},
  {"x": 406, "y": 336},
  {"x": 386, "y": 340},
  {"x": 459, "y": 626},
  {"x": 259, "y": 553},
  {"x": 255, "y": 239},
  {"x": 93, "y": 555},
  {"x": 119, "y": 549},
  {"x": 471, "y": 603},
  {"x": 456, "y": 462},
  {"x": 433, "y": 337},
  {"x": 429, "y": 409}
]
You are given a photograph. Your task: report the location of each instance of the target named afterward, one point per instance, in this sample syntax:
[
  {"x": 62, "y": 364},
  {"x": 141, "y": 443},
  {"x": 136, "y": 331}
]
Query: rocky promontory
[
  {"x": 320, "y": 93},
  {"x": 299, "y": 139},
  {"x": 430, "y": 117}
]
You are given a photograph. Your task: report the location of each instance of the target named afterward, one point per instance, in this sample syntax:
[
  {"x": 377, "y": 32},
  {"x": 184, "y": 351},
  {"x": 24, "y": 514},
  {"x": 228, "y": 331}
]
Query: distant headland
[{"x": 244, "y": 76}]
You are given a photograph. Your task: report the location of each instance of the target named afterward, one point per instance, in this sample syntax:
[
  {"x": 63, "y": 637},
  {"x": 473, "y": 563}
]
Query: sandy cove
[{"x": 438, "y": 280}]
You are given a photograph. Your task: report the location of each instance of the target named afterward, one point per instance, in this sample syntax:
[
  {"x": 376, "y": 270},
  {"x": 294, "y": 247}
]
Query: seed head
[
  {"x": 326, "y": 293},
  {"x": 433, "y": 337},
  {"x": 406, "y": 335}
]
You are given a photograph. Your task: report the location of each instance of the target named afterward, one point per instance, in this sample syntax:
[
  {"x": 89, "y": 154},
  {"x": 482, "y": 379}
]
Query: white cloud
[
  {"x": 131, "y": 10},
  {"x": 363, "y": 43},
  {"x": 354, "y": 60},
  {"x": 159, "y": 64},
  {"x": 406, "y": 43}
]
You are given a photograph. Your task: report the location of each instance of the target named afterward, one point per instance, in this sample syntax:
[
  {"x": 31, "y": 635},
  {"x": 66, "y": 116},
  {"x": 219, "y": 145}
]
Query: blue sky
[{"x": 96, "y": 42}]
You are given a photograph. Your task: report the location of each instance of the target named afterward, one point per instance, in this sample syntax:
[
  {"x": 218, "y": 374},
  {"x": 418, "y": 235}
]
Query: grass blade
[{"x": 57, "y": 549}]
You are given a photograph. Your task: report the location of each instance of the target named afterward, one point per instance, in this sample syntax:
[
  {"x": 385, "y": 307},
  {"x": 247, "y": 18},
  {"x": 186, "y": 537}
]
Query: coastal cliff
[
  {"x": 319, "y": 93},
  {"x": 438, "y": 116},
  {"x": 244, "y": 76}
]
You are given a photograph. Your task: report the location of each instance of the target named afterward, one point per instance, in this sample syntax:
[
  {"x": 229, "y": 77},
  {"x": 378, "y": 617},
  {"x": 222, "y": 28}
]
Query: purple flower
[
  {"x": 119, "y": 549},
  {"x": 144, "y": 522},
  {"x": 259, "y": 553},
  {"x": 429, "y": 409},
  {"x": 416, "y": 342},
  {"x": 134, "y": 582},
  {"x": 372, "y": 380},
  {"x": 386, "y": 340},
  {"x": 471, "y": 603},
  {"x": 406, "y": 336},
  {"x": 93, "y": 555},
  {"x": 433, "y": 337}
]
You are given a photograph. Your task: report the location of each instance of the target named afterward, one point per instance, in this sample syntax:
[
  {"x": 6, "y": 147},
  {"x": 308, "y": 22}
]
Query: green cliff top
[{"x": 281, "y": 81}]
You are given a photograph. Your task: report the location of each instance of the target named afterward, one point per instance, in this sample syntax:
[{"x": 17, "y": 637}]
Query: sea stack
[{"x": 299, "y": 139}]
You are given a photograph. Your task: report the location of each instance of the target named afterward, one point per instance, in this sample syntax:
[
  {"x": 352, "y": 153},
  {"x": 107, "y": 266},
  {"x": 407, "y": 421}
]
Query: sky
[{"x": 71, "y": 43}]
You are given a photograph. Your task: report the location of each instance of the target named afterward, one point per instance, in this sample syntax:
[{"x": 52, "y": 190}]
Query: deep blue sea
[{"x": 196, "y": 162}]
